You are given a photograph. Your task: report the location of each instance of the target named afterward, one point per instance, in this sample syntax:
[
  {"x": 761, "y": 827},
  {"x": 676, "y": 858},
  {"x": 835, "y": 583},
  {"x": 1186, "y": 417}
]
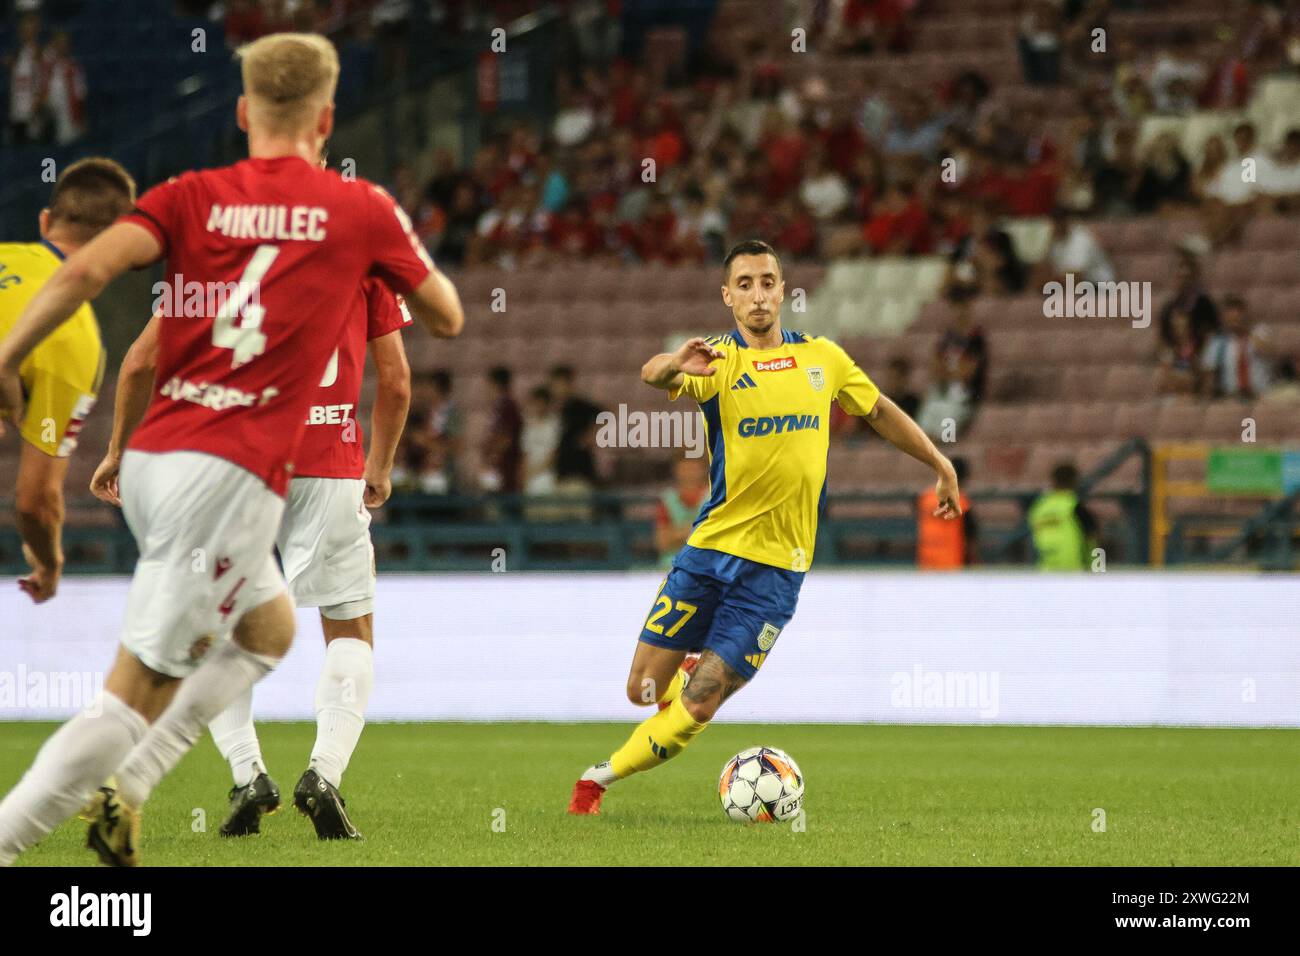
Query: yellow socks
[
  {"x": 674, "y": 688},
  {"x": 657, "y": 739}
]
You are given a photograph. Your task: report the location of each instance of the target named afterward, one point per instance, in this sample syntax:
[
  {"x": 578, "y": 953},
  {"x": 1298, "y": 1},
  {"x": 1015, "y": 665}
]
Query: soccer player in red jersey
[
  {"x": 324, "y": 545},
  {"x": 284, "y": 245}
]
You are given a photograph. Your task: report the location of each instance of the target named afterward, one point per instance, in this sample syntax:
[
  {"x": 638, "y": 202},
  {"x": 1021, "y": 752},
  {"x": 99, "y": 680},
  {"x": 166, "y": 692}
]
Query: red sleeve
[
  {"x": 157, "y": 211},
  {"x": 400, "y": 260},
  {"x": 384, "y": 313}
]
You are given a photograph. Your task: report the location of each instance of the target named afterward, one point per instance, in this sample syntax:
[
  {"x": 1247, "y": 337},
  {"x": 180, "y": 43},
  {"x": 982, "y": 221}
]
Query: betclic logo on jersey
[{"x": 776, "y": 365}]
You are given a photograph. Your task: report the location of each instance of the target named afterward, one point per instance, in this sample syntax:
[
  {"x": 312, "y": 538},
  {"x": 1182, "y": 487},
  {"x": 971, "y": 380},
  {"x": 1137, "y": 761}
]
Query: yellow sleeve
[
  {"x": 63, "y": 374},
  {"x": 703, "y": 387},
  {"x": 699, "y": 387},
  {"x": 856, "y": 393}
]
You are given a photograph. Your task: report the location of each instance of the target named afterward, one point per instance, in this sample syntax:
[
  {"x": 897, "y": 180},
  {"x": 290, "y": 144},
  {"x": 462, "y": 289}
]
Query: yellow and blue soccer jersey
[
  {"x": 62, "y": 375},
  {"x": 767, "y": 416}
]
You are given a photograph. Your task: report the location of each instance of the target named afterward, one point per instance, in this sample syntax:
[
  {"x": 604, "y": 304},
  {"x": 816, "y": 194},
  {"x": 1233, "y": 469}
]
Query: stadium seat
[
  {"x": 1090, "y": 422},
  {"x": 997, "y": 424},
  {"x": 1223, "y": 420},
  {"x": 1180, "y": 421},
  {"x": 1131, "y": 381},
  {"x": 1135, "y": 420}
]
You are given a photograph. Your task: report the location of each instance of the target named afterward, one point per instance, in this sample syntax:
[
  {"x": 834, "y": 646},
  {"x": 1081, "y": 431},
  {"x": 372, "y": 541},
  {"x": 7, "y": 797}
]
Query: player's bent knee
[
  {"x": 636, "y": 690},
  {"x": 268, "y": 628},
  {"x": 140, "y": 687},
  {"x": 701, "y": 709}
]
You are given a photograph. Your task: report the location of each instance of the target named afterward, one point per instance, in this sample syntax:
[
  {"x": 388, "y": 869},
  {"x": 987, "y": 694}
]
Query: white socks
[
  {"x": 227, "y": 672},
  {"x": 341, "y": 697},
  {"x": 602, "y": 773},
  {"x": 69, "y": 767},
  {"x": 233, "y": 733}
]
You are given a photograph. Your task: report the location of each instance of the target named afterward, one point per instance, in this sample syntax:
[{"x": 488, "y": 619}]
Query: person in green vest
[
  {"x": 678, "y": 507},
  {"x": 1064, "y": 529}
]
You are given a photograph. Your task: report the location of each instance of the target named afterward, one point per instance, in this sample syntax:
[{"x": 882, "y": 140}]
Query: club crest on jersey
[
  {"x": 767, "y": 636},
  {"x": 776, "y": 364},
  {"x": 816, "y": 379}
]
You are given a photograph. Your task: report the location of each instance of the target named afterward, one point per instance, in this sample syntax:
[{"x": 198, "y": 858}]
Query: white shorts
[
  {"x": 205, "y": 529},
  {"x": 325, "y": 547}
]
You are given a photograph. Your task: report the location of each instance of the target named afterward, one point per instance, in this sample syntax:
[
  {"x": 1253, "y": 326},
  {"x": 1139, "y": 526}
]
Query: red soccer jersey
[
  {"x": 264, "y": 260},
  {"x": 332, "y": 446}
]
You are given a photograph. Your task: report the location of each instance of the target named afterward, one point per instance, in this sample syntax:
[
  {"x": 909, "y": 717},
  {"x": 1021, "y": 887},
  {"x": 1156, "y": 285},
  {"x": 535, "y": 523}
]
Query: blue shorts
[{"x": 719, "y": 602}]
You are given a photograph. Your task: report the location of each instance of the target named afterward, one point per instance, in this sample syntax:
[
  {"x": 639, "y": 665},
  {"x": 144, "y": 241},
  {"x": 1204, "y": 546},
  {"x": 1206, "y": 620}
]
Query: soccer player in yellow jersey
[
  {"x": 765, "y": 394},
  {"x": 62, "y": 375}
]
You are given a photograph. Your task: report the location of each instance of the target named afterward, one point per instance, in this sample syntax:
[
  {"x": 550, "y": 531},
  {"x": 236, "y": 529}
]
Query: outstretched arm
[
  {"x": 115, "y": 250},
  {"x": 135, "y": 380},
  {"x": 666, "y": 370},
  {"x": 896, "y": 427}
]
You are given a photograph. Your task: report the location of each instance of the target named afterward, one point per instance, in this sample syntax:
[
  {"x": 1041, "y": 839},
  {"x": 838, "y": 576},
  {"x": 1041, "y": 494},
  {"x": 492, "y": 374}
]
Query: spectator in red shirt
[
  {"x": 869, "y": 25},
  {"x": 662, "y": 141},
  {"x": 627, "y": 93},
  {"x": 843, "y": 141},
  {"x": 900, "y": 225},
  {"x": 1031, "y": 190},
  {"x": 572, "y": 234},
  {"x": 866, "y": 182},
  {"x": 786, "y": 148}
]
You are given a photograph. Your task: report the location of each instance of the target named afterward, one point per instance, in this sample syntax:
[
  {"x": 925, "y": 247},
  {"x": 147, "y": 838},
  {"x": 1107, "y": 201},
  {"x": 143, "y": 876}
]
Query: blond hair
[
  {"x": 89, "y": 196},
  {"x": 287, "y": 76}
]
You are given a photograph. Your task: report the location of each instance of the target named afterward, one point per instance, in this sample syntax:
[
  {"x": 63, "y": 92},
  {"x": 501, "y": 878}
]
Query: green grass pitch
[{"x": 429, "y": 794}]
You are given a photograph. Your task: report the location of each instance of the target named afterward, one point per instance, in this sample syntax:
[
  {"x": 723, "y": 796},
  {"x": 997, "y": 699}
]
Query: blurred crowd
[
  {"x": 1215, "y": 349},
  {"x": 642, "y": 165},
  {"x": 646, "y": 164},
  {"x": 47, "y": 86},
  {"x": 542, "y": 445}
]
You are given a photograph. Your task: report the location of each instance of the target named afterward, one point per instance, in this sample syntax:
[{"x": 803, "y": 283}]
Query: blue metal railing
[
  {"x": 603, "y": 531},
  {"x": 1133, "y": 533},
  {"x": 1266, "y": 539}
]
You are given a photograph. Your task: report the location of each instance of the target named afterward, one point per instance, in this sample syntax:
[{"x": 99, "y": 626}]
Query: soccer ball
[{"x": 761, "y": 785}]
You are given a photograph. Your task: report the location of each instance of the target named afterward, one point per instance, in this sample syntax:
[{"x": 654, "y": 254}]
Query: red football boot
[{"x": 585, "y": 801}]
